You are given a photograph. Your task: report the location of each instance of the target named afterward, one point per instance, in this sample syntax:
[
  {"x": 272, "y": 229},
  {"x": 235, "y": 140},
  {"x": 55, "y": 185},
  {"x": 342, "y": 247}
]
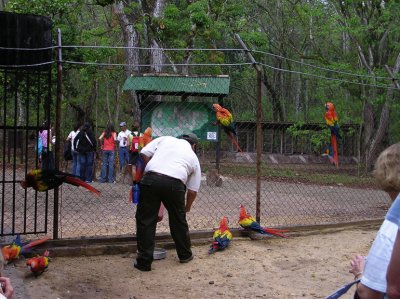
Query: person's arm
[
  {"x": 101, "y": 136},
  {"x": 190, "y": 197},
  {"x": 145, "y": 158},
  {"x": 7, "y": 288},
  {"x": 393, "y": 274}
]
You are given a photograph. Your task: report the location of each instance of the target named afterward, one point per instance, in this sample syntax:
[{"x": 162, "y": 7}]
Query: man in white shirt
[
  {"x": 123, "y": 142},
  {"x": 172, "y": 170}
]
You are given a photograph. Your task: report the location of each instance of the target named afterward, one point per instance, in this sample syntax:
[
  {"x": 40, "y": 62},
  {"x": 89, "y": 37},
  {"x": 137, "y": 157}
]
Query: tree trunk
[
  {"x": 383, "y": 126},
  {"x": 21, "y": 110},
  {"x": 131, "y": 39},
  {"x": 132, "y": 55}
]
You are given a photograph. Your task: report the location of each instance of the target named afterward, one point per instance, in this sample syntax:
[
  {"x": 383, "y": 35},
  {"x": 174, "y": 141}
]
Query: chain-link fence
[
  {"x": 296, "y": 184},
  {"x": 278, "y": 169}
]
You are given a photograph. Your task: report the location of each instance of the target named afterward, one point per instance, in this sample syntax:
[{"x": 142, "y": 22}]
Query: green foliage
[{"x": 317, "y": 138}]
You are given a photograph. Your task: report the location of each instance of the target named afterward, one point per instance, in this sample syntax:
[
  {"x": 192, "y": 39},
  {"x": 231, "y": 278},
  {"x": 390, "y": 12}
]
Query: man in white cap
[
  {"x": 123, "y": 142},
  {"x": 172, "y": 176}
]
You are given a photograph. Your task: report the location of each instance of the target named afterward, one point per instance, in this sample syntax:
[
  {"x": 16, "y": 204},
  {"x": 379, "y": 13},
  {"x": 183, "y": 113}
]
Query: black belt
[{"x": 172, "y": 179}]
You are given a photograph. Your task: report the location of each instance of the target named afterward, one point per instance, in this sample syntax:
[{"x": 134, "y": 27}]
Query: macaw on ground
[
  {"x": 248, "y": 222},
  {"x": 16, "y": 248},
  {"x": 221, "y": 237},
  {"x": 38, "y": 264}
]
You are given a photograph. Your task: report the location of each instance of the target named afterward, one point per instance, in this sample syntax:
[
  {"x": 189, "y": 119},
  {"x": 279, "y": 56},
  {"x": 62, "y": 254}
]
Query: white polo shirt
[
  {"x": 121, "y": 135},
  {"x": 175, "y": 158}
]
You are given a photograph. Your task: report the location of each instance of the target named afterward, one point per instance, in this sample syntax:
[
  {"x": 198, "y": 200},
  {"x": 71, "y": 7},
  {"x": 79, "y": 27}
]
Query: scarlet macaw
[
  {"x": 225, "y": 119},
  {"x": 44, "y": 180},
  {"x": 221, "y": 237},
  {"x": 331, "y": 120},
  {"x": 12, "y": 252},
  {"x": 38, "y": 264},
  {"x": 135, "y": 191},
  {"x": 248, "y": 222}
]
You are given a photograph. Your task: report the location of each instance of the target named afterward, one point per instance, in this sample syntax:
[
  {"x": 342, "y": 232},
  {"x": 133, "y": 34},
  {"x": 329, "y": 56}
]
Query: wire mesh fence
[
  {"x": 298, "y": 184},
  {"x": 291, "y": 177}
]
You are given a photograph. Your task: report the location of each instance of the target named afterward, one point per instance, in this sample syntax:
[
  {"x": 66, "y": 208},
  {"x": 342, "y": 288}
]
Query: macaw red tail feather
[
  {"x": 213, "y": 248},
  {"x": 275, "y": 232},
  {"x": 77, "y": 182},
  {"x": 34, "y": 243},
  {"x": 335, "y": 152},
  {"x": 233, "y": 139}
]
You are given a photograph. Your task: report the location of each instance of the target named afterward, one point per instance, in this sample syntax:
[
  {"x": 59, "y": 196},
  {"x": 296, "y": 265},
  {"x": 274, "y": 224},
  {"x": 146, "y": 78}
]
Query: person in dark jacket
[{"x": 85, "y": 144}]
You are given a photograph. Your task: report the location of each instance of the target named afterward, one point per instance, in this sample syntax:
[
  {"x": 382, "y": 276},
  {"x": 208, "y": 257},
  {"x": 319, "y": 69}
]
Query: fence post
[
  {"x": 57, "y": 129},
  {"x": 259, "y": 141}
]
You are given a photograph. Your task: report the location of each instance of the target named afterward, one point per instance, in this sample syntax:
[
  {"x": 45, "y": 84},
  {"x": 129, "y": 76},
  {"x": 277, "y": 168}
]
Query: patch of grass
[{"x": 311, "y": 174}]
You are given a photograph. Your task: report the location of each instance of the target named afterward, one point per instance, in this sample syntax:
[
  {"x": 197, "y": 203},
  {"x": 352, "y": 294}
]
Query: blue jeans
[
  {"x": 123, "y": 157},
  {"x": 75, "y": 164},
  {"x": 47, "y": 159},
  {"x": 86, "y": 166},
  {"x": 107, "y": 164}
]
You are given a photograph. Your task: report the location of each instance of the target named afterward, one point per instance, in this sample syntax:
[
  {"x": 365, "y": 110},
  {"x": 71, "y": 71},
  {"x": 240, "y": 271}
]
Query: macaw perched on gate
[
  {"x": 16, "y": 248},
  {"x": 248, "y": 222},
  {"x": 331, "y": 120},
  {"x": 44, "y": 180},
  {"x": 221, "y": 237},
  {"x": 225, "y": 119},
  {"x": 38, "y": 264}
]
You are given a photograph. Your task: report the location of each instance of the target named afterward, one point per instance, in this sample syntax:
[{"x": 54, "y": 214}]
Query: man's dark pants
[{"x": 155, "y": 189}]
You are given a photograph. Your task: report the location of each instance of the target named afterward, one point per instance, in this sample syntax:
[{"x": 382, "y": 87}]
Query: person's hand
[
  {"x": 357, "y": 266},
  {"x": 6, "y": 289}
]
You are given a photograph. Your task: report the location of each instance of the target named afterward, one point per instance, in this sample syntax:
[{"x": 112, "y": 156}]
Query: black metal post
[{"x": 57, "y": 129}]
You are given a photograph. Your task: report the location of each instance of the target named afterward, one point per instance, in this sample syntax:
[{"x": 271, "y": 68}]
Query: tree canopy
[{"x": 311, "y": 51}]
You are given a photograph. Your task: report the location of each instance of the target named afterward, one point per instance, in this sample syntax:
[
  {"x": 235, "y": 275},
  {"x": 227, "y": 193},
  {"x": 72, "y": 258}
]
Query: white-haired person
[{"x": 374, "y": 282}]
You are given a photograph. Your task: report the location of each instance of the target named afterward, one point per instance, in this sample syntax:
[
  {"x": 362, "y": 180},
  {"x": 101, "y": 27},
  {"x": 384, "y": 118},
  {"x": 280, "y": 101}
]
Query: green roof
[{"x": 178, "y": 85}]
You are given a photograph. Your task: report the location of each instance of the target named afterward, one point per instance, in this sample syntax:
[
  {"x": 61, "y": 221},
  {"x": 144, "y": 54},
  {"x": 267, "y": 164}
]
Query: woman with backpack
[
  {"x": 85, "y": 144},
  {"x": 109, "y": 138}
]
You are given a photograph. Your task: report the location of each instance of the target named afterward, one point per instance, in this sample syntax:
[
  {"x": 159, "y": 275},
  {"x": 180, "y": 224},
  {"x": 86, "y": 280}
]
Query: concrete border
[{"x": 127, "y": 244}]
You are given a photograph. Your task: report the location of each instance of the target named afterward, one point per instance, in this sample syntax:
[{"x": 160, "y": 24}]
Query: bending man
[{"x": 172, "y": 171}]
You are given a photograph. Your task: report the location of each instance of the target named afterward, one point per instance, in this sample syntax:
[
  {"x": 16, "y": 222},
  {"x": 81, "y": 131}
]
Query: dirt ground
[{"x": 309, "y": 266}]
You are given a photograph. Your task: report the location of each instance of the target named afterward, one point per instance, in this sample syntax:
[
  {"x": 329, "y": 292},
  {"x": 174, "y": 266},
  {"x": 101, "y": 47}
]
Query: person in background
[
  {"x": 123, "y": 142},
  {"x": 85, "y": 144},
  {"x": 172, "y": 171},
  {"x": 108, "y": 139},
  {"x": 373, "y": 282},
  {"x": 134, "y": 138},
  {"x": 45, "y": 134},
  {"x": 71, "y": 137}
]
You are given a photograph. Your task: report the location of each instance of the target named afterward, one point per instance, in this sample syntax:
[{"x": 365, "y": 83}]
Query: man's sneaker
[
  {"x": 141, "y": 267},
  {"x": 186, "y": 260}
]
